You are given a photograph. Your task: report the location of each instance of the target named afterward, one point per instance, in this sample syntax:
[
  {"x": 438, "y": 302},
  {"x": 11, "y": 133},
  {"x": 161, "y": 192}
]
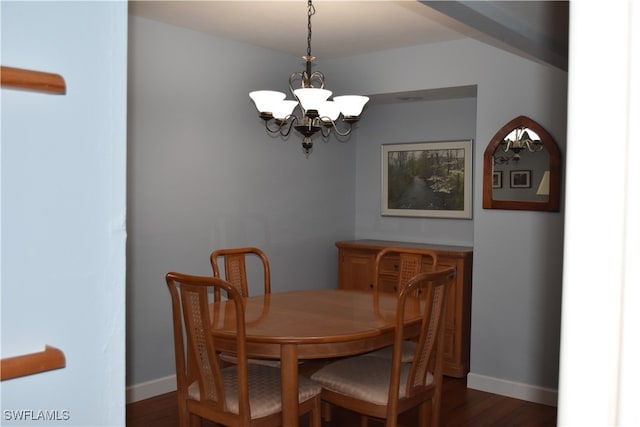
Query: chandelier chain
[{"x": 311, "y": 11}]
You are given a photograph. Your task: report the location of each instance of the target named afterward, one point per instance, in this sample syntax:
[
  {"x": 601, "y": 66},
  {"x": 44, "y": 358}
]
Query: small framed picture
[
  {"x": 497, "y": 179},
  {"x": 521, "y": 179}
]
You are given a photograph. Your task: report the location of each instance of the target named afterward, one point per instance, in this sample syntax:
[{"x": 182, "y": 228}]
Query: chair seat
[
  {"x": 264, "y": 390},
  {"x": 232, "y": 358},
  {"x": 408, "y": 352},
  {"x": 363, "y": 377},
  {"x": 379, "y": 385}
]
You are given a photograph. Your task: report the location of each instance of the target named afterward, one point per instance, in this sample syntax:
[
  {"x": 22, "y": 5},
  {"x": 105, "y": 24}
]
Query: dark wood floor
[{"x": 460, "y": 407}]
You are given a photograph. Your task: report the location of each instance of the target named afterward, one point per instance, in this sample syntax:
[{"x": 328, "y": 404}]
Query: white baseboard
[
  {"x": 151, "y": 388},
  {"x": 530, "y": 393},
  {"x": 522, "y": 391}
]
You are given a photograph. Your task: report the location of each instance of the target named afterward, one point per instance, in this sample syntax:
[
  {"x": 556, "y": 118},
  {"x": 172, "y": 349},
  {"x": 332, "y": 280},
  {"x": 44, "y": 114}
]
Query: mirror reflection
[{"x": 521, "y": 168}]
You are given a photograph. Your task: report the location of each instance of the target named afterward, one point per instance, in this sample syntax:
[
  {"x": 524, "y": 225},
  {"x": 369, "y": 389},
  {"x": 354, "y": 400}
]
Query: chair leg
[
  {"x": 424, "y": 418},
  {"x": 315, "y": 417},
  {"x": 195, "y": 420},
  {"x": 183, "y": 415},
  {"x": 427, "y": 415},
  {"x": 326, "y": 412},
  {"x": 436, "y": 401}
]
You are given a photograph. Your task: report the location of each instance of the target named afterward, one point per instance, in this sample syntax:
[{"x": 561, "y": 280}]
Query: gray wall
[
  {"x": 203, "y": 174},
  {"x": 422, "y": 121},
  {"x": 517, "y": 277}
]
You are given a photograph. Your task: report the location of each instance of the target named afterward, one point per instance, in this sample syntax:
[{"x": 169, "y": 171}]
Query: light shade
[
  {"x": 266, "y": 100},
  {"x": 329, "y": 109},
  {"x": 311, "y": 98},
  {"x": 283, "y": 109},
  {"x": 543, "y": 188},
  {"x": 351, "y": 105}
]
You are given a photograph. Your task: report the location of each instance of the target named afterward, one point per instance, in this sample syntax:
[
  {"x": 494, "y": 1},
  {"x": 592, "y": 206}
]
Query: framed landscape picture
[{"x": 427, "y": 179}]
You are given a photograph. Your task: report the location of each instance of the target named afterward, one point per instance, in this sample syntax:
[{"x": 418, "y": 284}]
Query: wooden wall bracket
[
  {"x": 51, "y": 358},
  {"x": 19, "y": 366},
  {"x": 38, "y": 81}
]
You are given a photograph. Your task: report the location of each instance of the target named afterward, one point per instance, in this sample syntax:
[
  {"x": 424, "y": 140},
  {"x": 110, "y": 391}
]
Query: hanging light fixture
[
  {"x": 519, "y": 139},
  {"x": 317, "y": 113}
]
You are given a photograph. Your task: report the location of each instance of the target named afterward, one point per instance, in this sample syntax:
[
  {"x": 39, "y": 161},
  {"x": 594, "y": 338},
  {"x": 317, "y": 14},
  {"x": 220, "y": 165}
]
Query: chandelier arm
[
  {"x": 277, "y": 130},
  {"x": 319, "y": 77},
  {"x": 292, "y": 78},
  {"x": 529, "y": 147},
  {"x": 337, "y": 130},
  {"x": 290, "y": 125},
  {"x": 533, "y": 147}
]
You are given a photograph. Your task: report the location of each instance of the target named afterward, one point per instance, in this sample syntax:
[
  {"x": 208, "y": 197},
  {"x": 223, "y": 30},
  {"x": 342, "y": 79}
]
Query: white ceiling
[
  {"x": 339, "y": 28},
  {"x": 536, "y": 29}
]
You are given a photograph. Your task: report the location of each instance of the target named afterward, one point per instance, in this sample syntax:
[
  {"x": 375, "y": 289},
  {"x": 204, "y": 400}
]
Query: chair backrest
[
  {"x": 410, "y": 263},
  {"x": 197, "y": 362},
  {"x": 235, "y": 267},
  {"x": 432, "y": 288}
]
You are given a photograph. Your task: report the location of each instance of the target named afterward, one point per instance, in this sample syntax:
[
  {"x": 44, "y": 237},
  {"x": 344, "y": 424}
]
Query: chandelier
[
  {"x": 316, "y": 112},
  {"x": 519, "y": 139}
]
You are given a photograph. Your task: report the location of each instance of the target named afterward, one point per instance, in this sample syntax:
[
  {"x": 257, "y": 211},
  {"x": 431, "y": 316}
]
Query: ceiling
[
  {"x": 346, "y": 28},
  {"x": 537, "y": 30}
]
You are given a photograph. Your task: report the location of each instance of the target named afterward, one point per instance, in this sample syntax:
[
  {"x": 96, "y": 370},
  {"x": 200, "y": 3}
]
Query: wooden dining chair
[
  {"x": 402, "y": 262},
  {"x": 234, "y": 261},
  {"x": 406, "y": 262},
  {"x": 239, "y": 394},
  {"x": 235, "y": 267},
  {"x": 383, "y": 388}
]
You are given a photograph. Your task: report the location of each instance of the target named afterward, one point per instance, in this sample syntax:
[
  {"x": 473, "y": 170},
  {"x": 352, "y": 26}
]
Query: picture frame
[
  {"x": 496, "y": 179},
  {"x": 520, "y": 179},
  {"x": 427, "y": 179}
]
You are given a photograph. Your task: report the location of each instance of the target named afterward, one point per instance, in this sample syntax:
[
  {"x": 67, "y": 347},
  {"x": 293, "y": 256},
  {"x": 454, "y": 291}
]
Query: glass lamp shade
[
  {"x": 351, "y": 105},
  {"x": 311, "y": 98},
  {"x": 283, "y": 109},
  {"x": 266, "y": 100},
  {"x": 543, "y": 188},
  {"x": 329, "y": 109}
]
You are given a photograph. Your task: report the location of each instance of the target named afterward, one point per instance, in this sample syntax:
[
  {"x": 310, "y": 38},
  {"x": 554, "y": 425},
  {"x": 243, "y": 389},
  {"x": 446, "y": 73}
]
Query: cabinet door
[{"x": 356, "y": 270}]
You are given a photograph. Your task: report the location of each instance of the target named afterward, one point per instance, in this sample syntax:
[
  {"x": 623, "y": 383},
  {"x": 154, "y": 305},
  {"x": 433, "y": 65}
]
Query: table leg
[{"x": 289, "y": 376}]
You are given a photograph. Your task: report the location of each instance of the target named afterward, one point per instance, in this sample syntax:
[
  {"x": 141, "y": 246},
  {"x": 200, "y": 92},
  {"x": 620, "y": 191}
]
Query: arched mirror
[{"x": 522, "y": 168}]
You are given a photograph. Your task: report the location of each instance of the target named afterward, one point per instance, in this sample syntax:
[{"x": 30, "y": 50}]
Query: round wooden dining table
[{"x": 311, "y": 324}]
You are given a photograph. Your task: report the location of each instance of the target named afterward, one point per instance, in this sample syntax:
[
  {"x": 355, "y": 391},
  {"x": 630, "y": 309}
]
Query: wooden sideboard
[{"x": 355, "y": 271}]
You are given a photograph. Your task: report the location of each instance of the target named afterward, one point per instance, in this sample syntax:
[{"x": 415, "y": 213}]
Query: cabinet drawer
[
  {"x": 390, "y": 265},
  {"x": 388, "y": 283}
]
